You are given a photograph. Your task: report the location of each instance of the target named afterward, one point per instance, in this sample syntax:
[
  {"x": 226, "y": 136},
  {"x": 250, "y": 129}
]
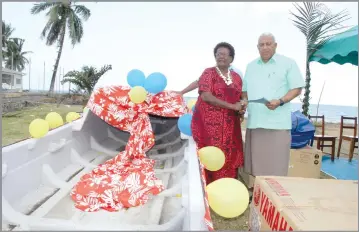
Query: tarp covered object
[{"x": 302, "y": 130}]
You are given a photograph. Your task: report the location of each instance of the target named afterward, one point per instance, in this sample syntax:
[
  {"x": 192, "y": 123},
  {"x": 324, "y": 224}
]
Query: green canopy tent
[{"x": 341, "y": 49}]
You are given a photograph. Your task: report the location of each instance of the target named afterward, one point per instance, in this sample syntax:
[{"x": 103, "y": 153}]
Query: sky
[{"x": 177, "y": 39}]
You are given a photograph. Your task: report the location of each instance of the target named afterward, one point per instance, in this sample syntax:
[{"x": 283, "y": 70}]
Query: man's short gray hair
[{"x": 267, "y": 34}]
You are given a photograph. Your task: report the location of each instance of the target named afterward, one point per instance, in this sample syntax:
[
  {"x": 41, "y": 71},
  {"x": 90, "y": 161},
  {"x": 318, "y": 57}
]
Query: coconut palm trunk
[
  {"x": 59, "y": 52},
  {"x": 306, "y": 99}
]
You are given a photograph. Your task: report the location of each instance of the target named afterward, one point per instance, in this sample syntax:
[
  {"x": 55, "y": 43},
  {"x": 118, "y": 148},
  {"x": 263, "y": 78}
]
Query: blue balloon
[
  {"x": 193, "y": 108},
  {"x": 184, "y": 124},
  {"x": 155, "y": 83},
  {"x": 136, "y": 77}
]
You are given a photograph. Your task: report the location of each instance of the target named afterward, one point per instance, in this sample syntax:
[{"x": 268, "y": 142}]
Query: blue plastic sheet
[{"x": 302, "y": 130}]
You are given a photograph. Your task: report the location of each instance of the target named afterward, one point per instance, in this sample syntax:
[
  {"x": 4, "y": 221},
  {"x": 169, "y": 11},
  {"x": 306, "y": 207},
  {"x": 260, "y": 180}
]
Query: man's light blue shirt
[{"x": 271, "y": 80}]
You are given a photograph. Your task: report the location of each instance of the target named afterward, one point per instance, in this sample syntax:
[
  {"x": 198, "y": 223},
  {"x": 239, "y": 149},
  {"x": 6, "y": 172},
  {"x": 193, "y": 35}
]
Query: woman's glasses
[{"x": 221, "y": 54}]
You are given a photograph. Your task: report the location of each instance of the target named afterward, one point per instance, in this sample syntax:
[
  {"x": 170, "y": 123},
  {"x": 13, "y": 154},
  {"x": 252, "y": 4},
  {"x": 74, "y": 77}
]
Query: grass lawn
[{"x": 15, "y": 125}]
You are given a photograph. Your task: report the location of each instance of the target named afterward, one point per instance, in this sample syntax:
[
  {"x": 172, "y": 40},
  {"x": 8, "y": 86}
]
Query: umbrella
[{"x": 341, "y": 49}]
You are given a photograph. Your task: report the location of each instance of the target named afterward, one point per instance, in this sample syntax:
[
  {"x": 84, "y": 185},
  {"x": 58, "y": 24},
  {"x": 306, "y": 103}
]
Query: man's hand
[
  {"x": 241, "y": 118},
  {"x": 273, "y": 104}
]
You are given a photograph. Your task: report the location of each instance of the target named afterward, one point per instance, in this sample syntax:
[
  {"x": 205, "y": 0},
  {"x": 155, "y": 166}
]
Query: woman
[
  {"x": 194, "y": 85},
  {"x": 215, "y": 121}
]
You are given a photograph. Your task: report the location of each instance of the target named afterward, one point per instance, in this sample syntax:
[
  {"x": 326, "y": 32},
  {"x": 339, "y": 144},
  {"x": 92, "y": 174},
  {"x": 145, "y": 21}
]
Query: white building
[{"x": 11, "y": 80}]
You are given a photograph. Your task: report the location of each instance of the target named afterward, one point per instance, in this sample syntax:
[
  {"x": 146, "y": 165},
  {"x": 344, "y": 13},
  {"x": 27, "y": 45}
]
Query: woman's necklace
[{"x": 227, "y": 80}]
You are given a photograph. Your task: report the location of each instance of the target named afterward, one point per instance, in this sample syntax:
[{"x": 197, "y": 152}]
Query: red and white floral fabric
[
  {"x": 128, "y": 179},
  {"x": 207, "y": 215}
]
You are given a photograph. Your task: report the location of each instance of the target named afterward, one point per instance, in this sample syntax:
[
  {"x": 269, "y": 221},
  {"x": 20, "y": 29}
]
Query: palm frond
[
  {"x": 103, "y": 70},
  {"x": 83, "y": 11},
  {"x": 75, "y": 28},
  {"x": 26, "y": 53},
  {"x": 7, "y": 31},
  {"x": 317, "y": 23},
  {"x": 72, "y": 73},
  {"x": 96, "y": 75},
  {"x": 87, "y": 78},
  {"x": 39, "y": 7},
  {"x": 54, "y": 13},
  {"x": 46, "y": 29},
  {"x": 55, "y": 30}
]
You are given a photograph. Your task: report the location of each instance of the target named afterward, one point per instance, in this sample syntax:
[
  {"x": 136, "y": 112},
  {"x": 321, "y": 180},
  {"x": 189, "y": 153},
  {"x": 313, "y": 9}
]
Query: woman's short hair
[{"x": 225, "y": 45}]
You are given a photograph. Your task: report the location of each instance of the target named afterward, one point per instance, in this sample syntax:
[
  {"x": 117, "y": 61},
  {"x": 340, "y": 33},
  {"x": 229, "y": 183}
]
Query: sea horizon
[
  {"x": 332, "y": 113},
  {"x": 190, "y": 97}
]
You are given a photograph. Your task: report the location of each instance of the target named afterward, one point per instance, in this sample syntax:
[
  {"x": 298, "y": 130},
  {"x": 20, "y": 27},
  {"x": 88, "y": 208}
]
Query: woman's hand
[
  {"x": 237, "y": 106},
  {"x": 178, "y": 92}
]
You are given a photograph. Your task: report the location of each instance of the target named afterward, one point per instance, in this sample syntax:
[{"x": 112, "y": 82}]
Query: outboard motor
[{"x": 302, "y": 130}]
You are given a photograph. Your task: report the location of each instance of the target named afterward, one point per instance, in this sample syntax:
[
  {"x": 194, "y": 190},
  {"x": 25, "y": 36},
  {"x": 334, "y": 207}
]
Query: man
[
  {"x": 194, "y": 84},
  {"x": 276, "y": 78}
]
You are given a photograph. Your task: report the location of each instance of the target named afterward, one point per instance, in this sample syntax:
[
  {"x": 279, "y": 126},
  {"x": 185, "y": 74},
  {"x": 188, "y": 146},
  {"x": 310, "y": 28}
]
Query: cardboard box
[
  {"x": 304, "y": 162},
  {"x": 295, "y": 203}
]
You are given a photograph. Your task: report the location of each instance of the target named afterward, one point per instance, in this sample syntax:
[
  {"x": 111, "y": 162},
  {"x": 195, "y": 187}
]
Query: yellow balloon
[
  {"x": 54, "y": 119},
  {"x": 191, "y": 103},
  {"x": 137, "y": 94},
  {"x": 71, "y": 116},
  {"x": 38, "y": 128},
  {"x": 228, "y": 197},
  {"x": 212, "y": 158}
]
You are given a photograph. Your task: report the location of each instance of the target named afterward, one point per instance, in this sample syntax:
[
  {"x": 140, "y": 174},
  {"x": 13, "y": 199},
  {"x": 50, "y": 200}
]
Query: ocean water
[{"x": 332, "y": 113}]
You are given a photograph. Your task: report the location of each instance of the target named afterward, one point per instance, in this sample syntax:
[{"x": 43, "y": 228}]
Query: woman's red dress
[{"x": 219, "y": 127}]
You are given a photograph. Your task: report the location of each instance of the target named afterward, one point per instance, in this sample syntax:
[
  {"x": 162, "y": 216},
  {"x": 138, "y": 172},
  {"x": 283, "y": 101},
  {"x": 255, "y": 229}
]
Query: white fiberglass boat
[{"x": 38, "y": 175}]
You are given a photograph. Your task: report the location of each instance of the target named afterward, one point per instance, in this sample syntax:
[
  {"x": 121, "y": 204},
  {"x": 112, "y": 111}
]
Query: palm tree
[
  {"x": 86, "y": 79},
  {"x": 7, "y": 31},
  {"x": 318, "y": 24},
  {"x": 61, "y": 15},
  {"x": 14, "y": 57}
]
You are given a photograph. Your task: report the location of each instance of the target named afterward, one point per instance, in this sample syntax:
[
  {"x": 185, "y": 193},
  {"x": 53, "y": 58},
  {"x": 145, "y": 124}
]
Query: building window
[
  {"x": 18, "y": 81},
  {"x": 6, "y": 78}
]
